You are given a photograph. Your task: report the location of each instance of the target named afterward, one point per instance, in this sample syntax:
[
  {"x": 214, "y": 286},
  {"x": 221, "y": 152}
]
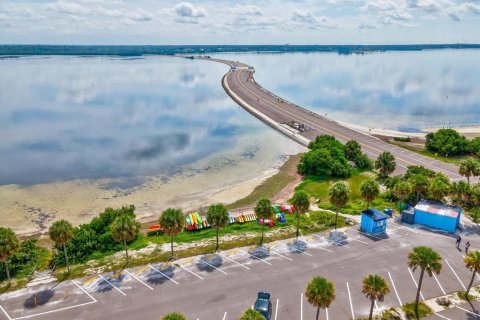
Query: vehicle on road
[{"x": 264, "y": 305}]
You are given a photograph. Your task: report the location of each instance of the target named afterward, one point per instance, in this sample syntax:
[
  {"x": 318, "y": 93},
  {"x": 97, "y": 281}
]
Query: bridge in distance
[{"x": 275, "y": 111}]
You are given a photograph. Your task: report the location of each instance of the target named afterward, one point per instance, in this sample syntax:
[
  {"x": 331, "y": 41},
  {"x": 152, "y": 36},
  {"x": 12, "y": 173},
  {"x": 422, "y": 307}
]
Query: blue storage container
[
  {"x": 373, "y": 221},
  {"x": 437, "y": 215}
]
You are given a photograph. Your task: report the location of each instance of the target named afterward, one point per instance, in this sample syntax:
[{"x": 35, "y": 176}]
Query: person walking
[
  {"x": 467, "y": 246},
  {"x": 459, "y": 239}
]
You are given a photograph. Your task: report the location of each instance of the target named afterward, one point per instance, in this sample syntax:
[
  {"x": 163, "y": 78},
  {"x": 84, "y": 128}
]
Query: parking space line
[
  {"x": 85, "y": 291},
  {"x": 146, "y": 285},
  {"x": 235, "y": 262},
  {"x": 366, "y": 235},
  {"x": 301, "y": 306},
  {"x": 357, "y": 240},
  {"x": 114, "y": 287},
  {"x": 255, "y": 257},
  {"x": 296, "y": 249},
  {"x": 225, "y": 315},
  {"x": 276, "y": 311},
  {"x": 211, "y": 265},
  {"x": 163, "y": 274},
  {"x": 442, "y": 316},
  {"x": 196, "y": 275},
  {"x": 416, "y": 285},
  {"x": 455, "y": 274},
  {"x": 351, "y": 304},
  {"x": 438, "y": 282},
  {"x": 326, "y": 311},
  {"x": 468, "y": 311},
  {"x": 281, "y": 255},
  {"x": 337, "y": 242},
  {"x": 395, "y": 289},
  {"x": 5, "y": 313},
  {"x": 231, "y": 253}
]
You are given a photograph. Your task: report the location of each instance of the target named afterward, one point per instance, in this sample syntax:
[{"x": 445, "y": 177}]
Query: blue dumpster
[
  {"x": 437, "y": 215},
  {"x": 373, "y": 221}
]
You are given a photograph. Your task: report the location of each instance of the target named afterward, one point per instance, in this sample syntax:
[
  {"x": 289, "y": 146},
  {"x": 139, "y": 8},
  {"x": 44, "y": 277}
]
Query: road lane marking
[
  {"x": 438, "y": 282},
  {"x": 281, "y": 255},
  {"x": 132, "y": 275},
  {"x": 455, "y": 275},
  {"x": 395, "y": 289},
  {"x": 211, "y": 265},
  {"x": 301, "y": 306},
  {"x": 235, "y": 262},
  {"x": 225, "y": 315},
  {"x": 163, "y": 274},
  {"x": 416, "y": 285},
  {"x": 255, "y": 257},
  {"x": 468, "y": 311},
  {"x": 276, "y": 311},
  {"x": 114, "y": 287},
  {"x": 442, "y": 316},
  {"x": 351, "y": 304}
]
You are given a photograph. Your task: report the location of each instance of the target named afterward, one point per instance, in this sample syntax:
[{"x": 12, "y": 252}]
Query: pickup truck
[{"x": 264, "y": 305}]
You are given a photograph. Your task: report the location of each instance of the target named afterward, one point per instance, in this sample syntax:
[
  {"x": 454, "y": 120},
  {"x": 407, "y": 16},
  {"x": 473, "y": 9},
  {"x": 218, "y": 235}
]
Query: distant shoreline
[{"x": 12, "y": 50}]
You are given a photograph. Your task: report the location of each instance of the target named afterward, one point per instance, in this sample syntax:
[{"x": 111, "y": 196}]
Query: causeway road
[{"x": 275, "y": 111}]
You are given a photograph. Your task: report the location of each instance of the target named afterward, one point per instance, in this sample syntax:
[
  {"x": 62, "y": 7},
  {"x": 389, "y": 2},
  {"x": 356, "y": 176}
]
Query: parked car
[{"x": 264, "y": 305}]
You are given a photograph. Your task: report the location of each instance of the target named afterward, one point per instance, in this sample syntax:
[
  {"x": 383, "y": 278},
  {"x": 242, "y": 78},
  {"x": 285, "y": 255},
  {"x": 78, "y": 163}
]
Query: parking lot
[{"x": 222, "y": 286}]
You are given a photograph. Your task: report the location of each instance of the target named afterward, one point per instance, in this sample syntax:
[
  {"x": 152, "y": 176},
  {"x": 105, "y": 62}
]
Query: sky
[{"x": 166, "y": 22}]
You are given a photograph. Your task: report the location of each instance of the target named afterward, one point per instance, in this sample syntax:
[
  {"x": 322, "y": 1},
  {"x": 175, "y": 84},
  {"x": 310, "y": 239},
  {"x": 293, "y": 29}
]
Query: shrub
[
  {"x": 174, "y": 316},
  {"x": 463, "y": 295},
  {"x": 423, "y": 310},
  {"x": 443, "y": 301},
  {"x": 26, "y": 260},
  {"x": 402, "y": 139},
  {"x": 447, "y": 142}
]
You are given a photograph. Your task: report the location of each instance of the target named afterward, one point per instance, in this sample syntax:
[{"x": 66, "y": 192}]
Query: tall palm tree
[
  {"x": 61, "y": 232},
  {"x": 419, "y": 183},
  {"x": 172, "y": 223},
  {"x": 251, "y": 314},
  {"x": 475, "y": 200},
  {"x": 427, "y": 260},
  {"x": 9, "y": 244},
  {"x": 439, "y": 189},
  {"x": 301, "y": 203},
  {"x": 402, "y": 190},
  {"x": 469, "y": 168},
  {"x": 461, "y": 191},
  {"x": 472, "y": 262},
  {"x": 385, "y": 163},
  {"x": 124, "y": 229},
  {"x": 375, "y": 288},
  {"x": 370, "y": 190},
  {"x": 338, "y": 194},
  {"x": 217, "y": 217},
  {"x": 320, "y": 293},
  {"x": 264, "y": 210},
  {"x": 174, "y": 316}
]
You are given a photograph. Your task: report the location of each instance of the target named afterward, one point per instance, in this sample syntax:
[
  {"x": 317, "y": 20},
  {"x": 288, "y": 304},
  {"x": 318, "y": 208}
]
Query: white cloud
[
  {"x": 186, "y": 9},
  {"x": 308, "y": 18},
  {"x": 380, "y": 5},
  {"x": 249, "y": 10},
  {"x": 68, "y": 7},
  {"x": 426, "y": 5},
  {"x": 470, "y": 7},
  {"x": 366, "y": 26}
]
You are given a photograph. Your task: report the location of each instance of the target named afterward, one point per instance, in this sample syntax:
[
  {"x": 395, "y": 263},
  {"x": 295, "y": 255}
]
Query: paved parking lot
[{"x": 222, "y": 286}]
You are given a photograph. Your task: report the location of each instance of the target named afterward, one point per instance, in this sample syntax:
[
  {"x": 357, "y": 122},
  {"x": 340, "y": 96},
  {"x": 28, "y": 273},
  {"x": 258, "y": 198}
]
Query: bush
[
  {"x": 174, "y": 316},
  {"x": 463, "y": 295},
  {"x": 402, "y": 139},
  {"x": 447, "y": 142},
  {"x": 443, "y": 301},
  {"x": 26, "y": 260},
  {"x": 423, "y": 310}
]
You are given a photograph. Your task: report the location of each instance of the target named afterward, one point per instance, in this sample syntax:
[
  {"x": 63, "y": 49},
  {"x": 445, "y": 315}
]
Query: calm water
[
  {"x": 398, "y": 90},
  {"x": 67, "y": 118}
]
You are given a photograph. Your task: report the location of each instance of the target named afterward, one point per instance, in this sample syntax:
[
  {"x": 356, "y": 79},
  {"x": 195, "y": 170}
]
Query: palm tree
[
  {"x": 60, "y": 233},
  {"x": 375, "y": 288},
  {"x": 9, "y": 244},
  {"x": 217, "y": 216},
  {"x": 472, "y": 262},
  {"x": 172, "y": 223},
  {"x": 419, "y": 184},
  {"x": 124, "y": 229},
  {"x": 320, "y": 293},
  {"x": 426, "y": 259},
  {"x": 264, "y": 210},
  {"x": 370, "y": 190},
  {"x": 475, "y": 199},
  {"x": 301, "y": 203},
  {"x": 338, "y": 194},
  {"x": 174, "y": 316},
  {"x": 469, "y": 168},
  {"x": 385, "y": 163},
  {"x": 461, "y": 191},
  {"x": 251, "y": 314},
  {"x": 439, "y": 189},
  {"x": 402, "y": 190}
]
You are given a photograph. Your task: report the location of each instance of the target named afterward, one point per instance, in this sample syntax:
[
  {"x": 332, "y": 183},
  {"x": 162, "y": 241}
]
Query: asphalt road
[
  {"x": 250, "y": 95},
  {"x": 222, "y": 287}
]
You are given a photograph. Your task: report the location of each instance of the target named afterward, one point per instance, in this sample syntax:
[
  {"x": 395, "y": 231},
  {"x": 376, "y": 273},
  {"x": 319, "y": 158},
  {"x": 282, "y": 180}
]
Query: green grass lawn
[{"x": 317, "y": 187}]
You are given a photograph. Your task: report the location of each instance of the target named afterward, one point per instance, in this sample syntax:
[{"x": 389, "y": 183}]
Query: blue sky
[{"x": 239, "y": 22}]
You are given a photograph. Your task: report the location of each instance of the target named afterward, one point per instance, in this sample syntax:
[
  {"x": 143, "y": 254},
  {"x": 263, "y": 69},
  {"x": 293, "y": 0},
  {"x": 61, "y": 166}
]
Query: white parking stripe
[
  {"x": 438, "y": 282},
  {"x": 326, "y": 311},
  {"x": 255, "y": 257},
  {"x": 455, "y": 274},
  {"x": 163, "y": 274},
  {"x": 357, "y": 240},
  {"x": 88, "y": 294},
  {"x": 416, "y": 285},
  {"x": 235, "y": 262},
  {"x": 376, "y": 305},
  {"x": 351, "y": 304},
  {"x": 211, "y": 265},
  {"x": 146, "y": 285},
  {"x": 281, "y": 255},
  {"x": 114, "y": 287},
  {"x": 298, "y": 250},
  {"x": 468, "y": 311},
  {"x": 276, "y": 311},
  {"x": 225, "y": 315},
  {"x": 196, "y": 275},
  {"x": 395, "y": 289},
  {"x": 301, "y": 306},
  {"x": 366, "y": 235},
  {"x": 5, "y": 313},
  {"x": 442, "y": 316}
]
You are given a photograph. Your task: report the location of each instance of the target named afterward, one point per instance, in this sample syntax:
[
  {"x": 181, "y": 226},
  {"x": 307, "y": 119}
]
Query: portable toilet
[
  {"x": 437, "y": 215},
  {"x": 373, "y": 221}
]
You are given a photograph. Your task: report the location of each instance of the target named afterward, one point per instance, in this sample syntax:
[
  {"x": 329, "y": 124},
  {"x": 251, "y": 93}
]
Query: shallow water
[{"x": 396, "y": 90}]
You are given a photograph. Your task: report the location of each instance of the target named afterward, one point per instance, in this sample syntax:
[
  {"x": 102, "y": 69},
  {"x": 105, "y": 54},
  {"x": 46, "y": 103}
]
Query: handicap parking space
[{"x": 44, "y": 300}]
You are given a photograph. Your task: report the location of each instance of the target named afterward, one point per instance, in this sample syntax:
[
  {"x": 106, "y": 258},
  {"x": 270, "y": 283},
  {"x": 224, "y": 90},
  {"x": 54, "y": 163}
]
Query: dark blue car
[{"x": 264, "y": 305}]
